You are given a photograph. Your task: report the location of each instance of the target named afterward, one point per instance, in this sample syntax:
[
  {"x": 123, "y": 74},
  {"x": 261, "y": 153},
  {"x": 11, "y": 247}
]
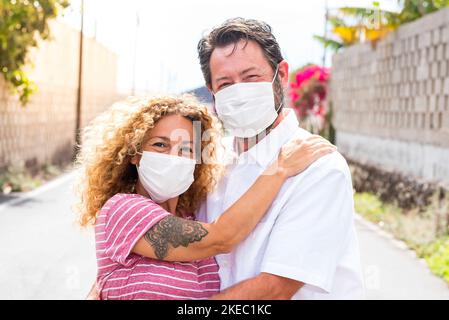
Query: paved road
[
  {"x": 44, "y": 255},
  {"x": 392, "y": 272}
]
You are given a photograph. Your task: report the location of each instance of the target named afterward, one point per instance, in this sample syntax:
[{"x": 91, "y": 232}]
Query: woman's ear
[{"x": 135, "y": 160}]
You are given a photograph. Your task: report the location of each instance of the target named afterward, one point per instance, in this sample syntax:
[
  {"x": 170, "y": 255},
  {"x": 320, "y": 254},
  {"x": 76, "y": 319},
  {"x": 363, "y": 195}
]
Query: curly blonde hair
[{"x": 114, "y": 137}]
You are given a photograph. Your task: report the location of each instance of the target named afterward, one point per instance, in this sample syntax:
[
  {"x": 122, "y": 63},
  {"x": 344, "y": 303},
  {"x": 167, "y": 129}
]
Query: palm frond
[
  {"x": 336, "y": 21},
  {"x": 366, "y": 14},
  {"x": 329, "y": 43}
]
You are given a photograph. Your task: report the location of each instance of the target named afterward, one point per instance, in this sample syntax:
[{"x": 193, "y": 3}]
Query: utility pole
[
  {"x": 326, "y": 17},
  {"x": 80, "y": 84},
  {"x": 135, "y": 52}
]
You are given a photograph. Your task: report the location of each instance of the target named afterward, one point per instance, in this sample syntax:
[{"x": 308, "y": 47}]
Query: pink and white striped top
[{"x": 122, "y": 221}]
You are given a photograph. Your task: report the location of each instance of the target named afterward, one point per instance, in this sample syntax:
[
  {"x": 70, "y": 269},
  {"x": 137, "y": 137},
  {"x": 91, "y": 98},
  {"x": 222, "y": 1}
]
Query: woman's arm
[
  {"x": 93, "y": 293},
  {"x": 178, "y": 239}
]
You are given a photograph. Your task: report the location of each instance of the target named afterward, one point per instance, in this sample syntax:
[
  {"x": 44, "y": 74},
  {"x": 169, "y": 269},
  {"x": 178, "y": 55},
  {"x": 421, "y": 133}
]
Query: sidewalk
[{"x": 46, "y": 256}]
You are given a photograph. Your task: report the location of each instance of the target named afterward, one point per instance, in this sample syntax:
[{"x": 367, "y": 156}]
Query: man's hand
[
  {"x": 93, "y": 293},
  {"x": 265, "y": 286}
]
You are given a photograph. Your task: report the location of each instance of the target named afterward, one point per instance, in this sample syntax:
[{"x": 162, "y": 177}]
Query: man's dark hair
[{"x": 231, "y": 32}]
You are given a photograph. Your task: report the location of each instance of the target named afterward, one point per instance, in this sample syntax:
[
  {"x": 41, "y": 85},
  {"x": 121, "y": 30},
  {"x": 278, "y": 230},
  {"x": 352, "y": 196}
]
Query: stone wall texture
[
  {"x": 44, "y": 130},
  {"x": 391, "y": 100}
]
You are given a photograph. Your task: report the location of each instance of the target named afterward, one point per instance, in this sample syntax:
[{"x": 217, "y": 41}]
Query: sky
[{"x": 155, "y": 41}]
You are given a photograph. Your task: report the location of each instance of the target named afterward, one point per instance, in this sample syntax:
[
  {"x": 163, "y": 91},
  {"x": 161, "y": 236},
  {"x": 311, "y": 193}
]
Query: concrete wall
[
  {"x": 44, "y": 130},
  {"x": 391, "y": 100}
]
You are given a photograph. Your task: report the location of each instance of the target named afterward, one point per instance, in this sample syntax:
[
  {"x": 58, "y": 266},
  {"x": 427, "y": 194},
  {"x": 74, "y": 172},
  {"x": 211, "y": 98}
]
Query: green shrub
[
  {"x": 369, "y": 206},
  {"x": 17, "y": 179},
  {"x": 417, "y": 229},
  {"x": 436, "y": 255}
]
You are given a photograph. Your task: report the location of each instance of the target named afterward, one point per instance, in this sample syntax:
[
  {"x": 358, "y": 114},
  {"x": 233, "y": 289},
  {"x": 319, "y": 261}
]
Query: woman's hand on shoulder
[{"x": 298, "y": 154}]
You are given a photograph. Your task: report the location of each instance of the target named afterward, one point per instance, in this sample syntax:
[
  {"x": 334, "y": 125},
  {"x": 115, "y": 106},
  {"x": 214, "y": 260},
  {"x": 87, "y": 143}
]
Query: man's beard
[{"x": 279, "y": 96}]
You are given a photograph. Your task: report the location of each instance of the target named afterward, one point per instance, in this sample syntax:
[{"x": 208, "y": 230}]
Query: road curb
[
  {"x": 399, "y": 244},
  {"x": 33, "y": 193}
]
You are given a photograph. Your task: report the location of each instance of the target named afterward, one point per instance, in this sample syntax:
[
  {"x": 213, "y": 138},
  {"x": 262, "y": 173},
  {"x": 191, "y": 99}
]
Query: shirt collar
[{"x": 266, "y": 150}]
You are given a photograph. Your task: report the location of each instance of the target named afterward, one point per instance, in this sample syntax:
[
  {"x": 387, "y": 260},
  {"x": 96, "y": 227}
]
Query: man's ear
[
  {"x": 214, "y": 110},
  {"x": 283, "y": 72},
  {"x": 209, "y": 86}
]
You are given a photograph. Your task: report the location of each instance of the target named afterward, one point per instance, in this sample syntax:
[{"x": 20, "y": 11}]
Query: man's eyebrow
[
  {"x": 248, "y": 70},
  {"x": 222, "y": 78}
]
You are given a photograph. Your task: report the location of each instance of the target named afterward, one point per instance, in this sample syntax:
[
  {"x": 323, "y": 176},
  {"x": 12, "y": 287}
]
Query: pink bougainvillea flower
[{"x": 308, "y": 90}]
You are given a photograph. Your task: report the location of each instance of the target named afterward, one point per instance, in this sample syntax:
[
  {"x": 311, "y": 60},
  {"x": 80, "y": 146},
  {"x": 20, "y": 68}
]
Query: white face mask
[
  {"x": 247, "y": 108},
  {"x": 165, "y": 176}
]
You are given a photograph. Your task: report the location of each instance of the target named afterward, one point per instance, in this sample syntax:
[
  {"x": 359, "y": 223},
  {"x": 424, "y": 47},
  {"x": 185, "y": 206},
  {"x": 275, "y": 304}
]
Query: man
[{"x": 306, "y": 246}]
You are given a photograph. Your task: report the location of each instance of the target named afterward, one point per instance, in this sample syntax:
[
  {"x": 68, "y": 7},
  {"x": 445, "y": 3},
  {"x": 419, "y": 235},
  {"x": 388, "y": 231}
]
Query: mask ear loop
[
  {"x": 140, "y": 153},
  {"x": 280, "y": 106},
  {"x": 275, "y": 74},
  {"x": 272, "y": 82}
]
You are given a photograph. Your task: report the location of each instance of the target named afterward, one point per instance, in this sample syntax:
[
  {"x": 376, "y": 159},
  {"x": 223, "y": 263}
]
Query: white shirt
[{"x": 308, "y": 234}]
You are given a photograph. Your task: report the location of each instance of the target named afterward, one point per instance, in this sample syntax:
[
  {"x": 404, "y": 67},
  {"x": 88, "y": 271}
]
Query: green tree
[
  {"x": 415, "y": 9},
  {"x": 22, "y": 22},
  {"x": 352, "y": 25}
]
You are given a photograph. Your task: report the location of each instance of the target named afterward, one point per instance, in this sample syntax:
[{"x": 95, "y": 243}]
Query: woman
[{"x": 142, "y": 185}]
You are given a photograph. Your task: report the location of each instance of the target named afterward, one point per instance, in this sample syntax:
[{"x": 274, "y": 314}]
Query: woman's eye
[{"x": 159, "y": 145}]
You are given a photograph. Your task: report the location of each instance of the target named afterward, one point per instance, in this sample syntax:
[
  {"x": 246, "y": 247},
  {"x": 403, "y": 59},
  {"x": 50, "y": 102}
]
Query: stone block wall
[{"x": 391, "y": 100}]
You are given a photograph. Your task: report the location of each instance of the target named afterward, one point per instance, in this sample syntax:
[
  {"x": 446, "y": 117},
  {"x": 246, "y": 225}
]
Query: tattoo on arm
[{"x": 173, "y": 231}]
